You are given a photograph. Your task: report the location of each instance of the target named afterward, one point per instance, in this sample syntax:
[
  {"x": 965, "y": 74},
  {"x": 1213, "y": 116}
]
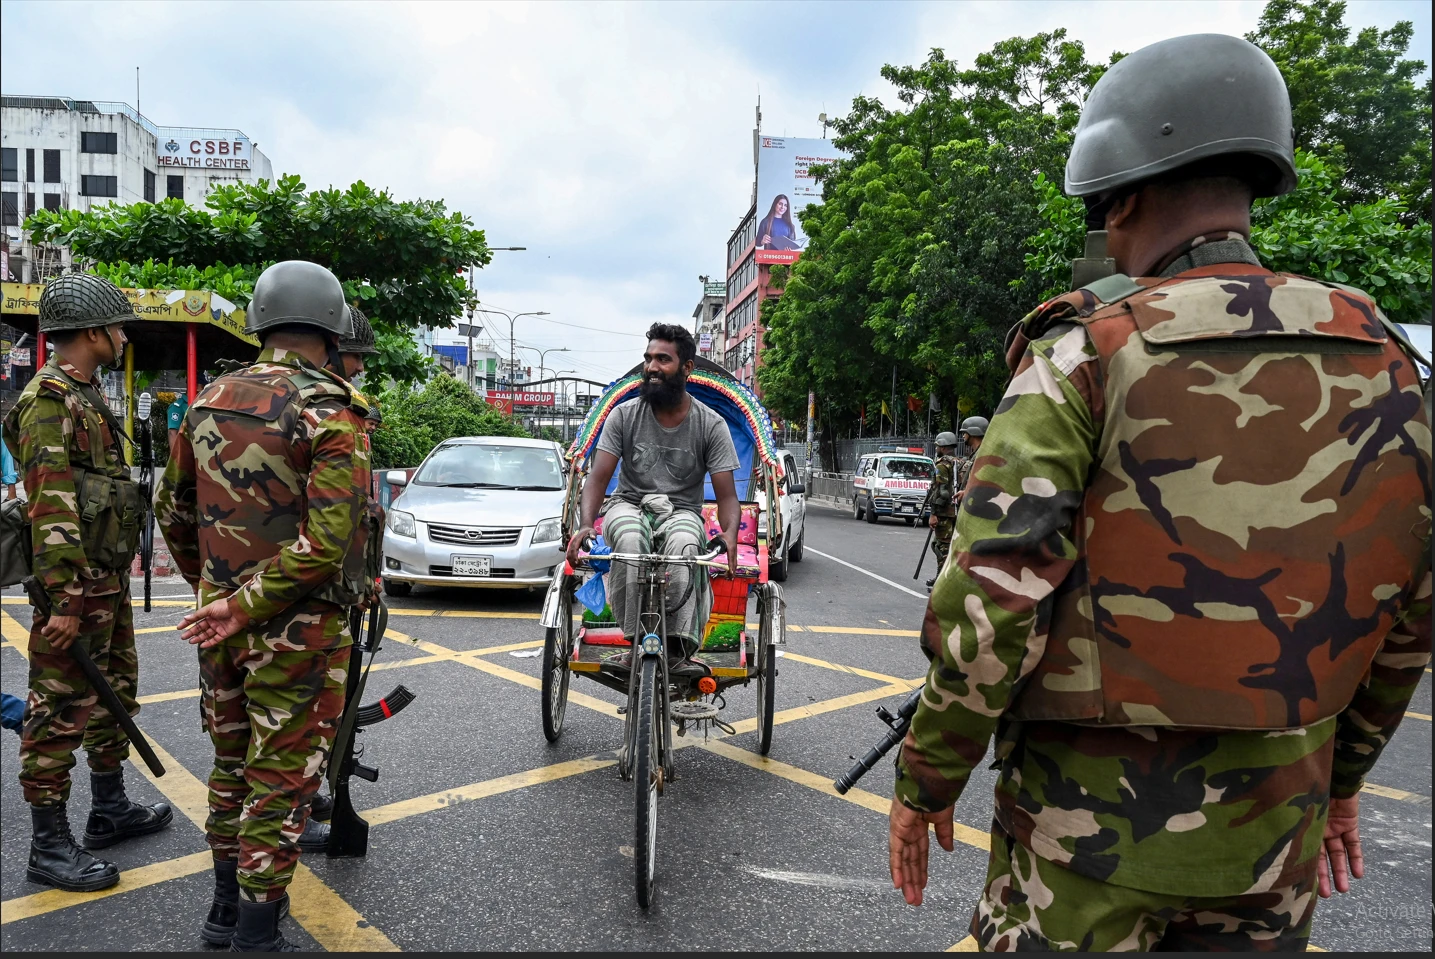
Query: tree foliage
[
  {"x": 402, "y": 261},
  {"x": 417, "y": 421},
  {"x": 1354, "y": 101}
]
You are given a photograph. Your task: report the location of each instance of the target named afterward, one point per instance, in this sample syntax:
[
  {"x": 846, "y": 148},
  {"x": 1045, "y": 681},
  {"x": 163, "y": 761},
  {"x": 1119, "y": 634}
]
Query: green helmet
[
  {"x": 1206, "y": 98},
  {"x": 974, "y": 426},
  {"x": 947, "y": 438},
  {"x": 80, "y": 301},
  {"x": 298, "y": 292},
  {"x": 361, "y": 340}
]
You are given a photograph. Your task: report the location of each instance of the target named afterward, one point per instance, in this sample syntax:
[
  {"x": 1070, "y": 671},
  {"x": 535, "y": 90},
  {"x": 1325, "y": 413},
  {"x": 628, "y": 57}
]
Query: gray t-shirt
[{"x": 655, "y": 459}]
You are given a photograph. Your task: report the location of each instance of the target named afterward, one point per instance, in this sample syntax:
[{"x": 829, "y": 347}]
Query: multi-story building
[
  {"x": 708, "y": 326},
  {"x": 58, "y": 153},
  {"x": 747, "y": 287}
]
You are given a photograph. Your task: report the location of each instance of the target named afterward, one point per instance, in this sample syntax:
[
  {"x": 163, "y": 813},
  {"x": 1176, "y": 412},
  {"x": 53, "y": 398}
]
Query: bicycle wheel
[
  {"x": 647, "y": 767},
  {"x": 557, "y": 647},
  {"x": 766, "y": 677}
]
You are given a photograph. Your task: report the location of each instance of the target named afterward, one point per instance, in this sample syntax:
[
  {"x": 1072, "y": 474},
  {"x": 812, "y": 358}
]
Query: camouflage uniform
[
  {"x": 264, "y": 501},
  {"x": 57, "y": 435},
  {"x": 944, "y": 506},
  {"x": 1048, "y": 627}
]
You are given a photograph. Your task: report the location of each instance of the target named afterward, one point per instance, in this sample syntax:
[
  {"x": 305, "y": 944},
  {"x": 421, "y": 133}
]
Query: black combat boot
[
  {"x": 258, "y": 928},
  {"x": 321, "y": 808},
  {"x": 224, "y": 910},
  {"x": 315, "y": 836},
  {"x": 56, "y": 860},
  {"x": 114, "y": 818}
]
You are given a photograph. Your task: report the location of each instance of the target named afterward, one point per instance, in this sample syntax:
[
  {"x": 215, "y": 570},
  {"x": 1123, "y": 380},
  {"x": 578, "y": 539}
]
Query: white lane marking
[
  {"x": 819, "y": 879},
  {"x": 867, "y": 572}
]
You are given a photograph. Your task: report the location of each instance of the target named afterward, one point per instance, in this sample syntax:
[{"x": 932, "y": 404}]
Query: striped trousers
[{"x": 657, "y": 527}]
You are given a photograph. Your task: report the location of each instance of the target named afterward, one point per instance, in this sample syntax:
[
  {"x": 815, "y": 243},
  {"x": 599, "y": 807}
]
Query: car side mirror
[
  {"x": 396, "y": 478},
  {"x": 795, "y": 488}
]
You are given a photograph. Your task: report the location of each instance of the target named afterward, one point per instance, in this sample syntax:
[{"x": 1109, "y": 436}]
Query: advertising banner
[
  {"x": 167, "y": 306},
  {"x": 785, "y": 186},
  {"x": 521, "y": 398}
]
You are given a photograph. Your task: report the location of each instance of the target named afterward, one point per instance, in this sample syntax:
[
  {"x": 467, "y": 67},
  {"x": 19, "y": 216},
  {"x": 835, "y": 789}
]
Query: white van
[{"x": 891, "y": 484}]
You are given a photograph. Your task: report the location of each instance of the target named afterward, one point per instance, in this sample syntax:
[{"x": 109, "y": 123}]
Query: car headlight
[
  {"x": 548, "y": 531},
  {"x": 401, "y": 523}
]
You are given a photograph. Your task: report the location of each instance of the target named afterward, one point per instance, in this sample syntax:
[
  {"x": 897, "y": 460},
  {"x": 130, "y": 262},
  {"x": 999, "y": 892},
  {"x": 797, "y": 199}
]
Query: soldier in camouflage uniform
[
  {"x": 1190, "y": 594},
  {"x": 972, "y": 431},
  {"x": 942, "y": 500},
  {"x": 262, "y": 506},
  {"x": 85, "y": 513},
  {"x": 358, "y": 344}
]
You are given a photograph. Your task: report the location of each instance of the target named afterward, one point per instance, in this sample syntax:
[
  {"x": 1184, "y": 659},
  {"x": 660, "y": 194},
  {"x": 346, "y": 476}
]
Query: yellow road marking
[
  {"x": 418, "y": 805},
  {"x": 158, "y": 629},
  {"x": 25, "y": 601},
  {"x": 460, "y": 613},
  {"x": 1415, "y": 715},
  {"x": 859, "y": 797},
  {"x": 167, "y": 697},
  {"x": 838, "y": 667},
  {"x": 1390, "y": 793},
  {"x": 39, "y": 903},
  {"x": 968, "y": 944}
]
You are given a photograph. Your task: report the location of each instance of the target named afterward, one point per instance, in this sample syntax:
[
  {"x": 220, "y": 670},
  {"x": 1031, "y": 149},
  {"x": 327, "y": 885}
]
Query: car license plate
[
  {"x": 472, "y": 565},
  {"x": 909, "y": 509}
]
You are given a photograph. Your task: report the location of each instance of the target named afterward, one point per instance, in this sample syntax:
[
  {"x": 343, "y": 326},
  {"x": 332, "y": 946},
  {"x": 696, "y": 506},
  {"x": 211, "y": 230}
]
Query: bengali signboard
[{"x": 165, "y": 306}]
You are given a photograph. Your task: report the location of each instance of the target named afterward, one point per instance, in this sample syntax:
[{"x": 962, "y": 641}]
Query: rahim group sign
[
  {"x": 498, "y": 397},
  {"x": 784, "y": 186}
]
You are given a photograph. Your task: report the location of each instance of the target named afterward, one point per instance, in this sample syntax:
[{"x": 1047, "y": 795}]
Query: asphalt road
[{"x": 486, "y": 837}]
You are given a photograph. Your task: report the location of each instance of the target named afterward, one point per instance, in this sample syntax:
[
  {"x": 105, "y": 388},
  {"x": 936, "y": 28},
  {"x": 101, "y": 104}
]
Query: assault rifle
[
  {"x": 41, "y": 601},
  {"x": 146, "y": 449},
  {"x": 348, "y": 832},
  {"x": 896, "y": 731},
  {"x": 922, "y": 518}
]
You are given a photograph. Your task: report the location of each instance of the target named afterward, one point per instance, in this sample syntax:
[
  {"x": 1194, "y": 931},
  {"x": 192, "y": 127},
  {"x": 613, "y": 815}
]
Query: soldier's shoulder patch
[{"x": 52, "y": 385}]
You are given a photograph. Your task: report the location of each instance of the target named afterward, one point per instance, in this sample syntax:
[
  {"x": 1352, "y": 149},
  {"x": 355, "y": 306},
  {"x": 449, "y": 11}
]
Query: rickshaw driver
[{"x": 667, "y": 441}]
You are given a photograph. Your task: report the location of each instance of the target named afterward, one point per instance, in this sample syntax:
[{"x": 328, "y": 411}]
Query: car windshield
[
  {"x": 492, "y": 467},
  {"x": 905, "y": 469}
]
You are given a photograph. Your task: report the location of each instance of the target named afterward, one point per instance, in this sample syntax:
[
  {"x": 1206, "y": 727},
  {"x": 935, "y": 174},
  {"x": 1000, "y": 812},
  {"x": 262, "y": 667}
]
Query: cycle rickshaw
[{"x": 590, "y": 644}]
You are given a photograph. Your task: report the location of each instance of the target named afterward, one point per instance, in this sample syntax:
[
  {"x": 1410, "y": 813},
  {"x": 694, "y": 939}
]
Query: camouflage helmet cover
[
  {"x": 1182, "y": 101},
  {"x": 947, "y": 438},
  {"x": 300, "y": 293},
  {"x": 974, "y": 426},
  {"x": 81, "y": 301},
  {"x": 361, "y": 339}
]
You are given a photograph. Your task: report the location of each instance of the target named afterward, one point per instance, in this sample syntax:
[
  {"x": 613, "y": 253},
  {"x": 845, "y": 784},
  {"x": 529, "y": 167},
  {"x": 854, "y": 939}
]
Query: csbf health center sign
[{"x": 786, "y": 185}]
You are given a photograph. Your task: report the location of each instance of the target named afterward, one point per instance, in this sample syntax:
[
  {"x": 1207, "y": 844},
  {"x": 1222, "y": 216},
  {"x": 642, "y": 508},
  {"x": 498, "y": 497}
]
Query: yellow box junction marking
[{"x": 968, "y": 944}]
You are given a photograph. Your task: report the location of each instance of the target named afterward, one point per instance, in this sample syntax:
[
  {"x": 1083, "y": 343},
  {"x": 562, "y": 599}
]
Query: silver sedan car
[{"x": 479, "y": 511}]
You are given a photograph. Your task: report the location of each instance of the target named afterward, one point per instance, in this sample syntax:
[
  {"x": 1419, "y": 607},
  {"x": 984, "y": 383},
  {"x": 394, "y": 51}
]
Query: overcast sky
[{"x": 613, "y": 141}]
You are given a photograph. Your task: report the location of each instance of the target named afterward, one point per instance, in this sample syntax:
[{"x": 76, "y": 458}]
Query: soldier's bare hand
[
  {"x": 1341, "y": 860},
  {"x": 907, "y": 845},
  {"x": 932, "y": 521},
  {"x": 61, "y": 631},
  {"x": 213, "y": 624}
]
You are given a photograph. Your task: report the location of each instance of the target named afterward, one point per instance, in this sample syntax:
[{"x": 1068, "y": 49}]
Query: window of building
[
  {"x": 9, "y": 164},
  {"x": 52, "y": 201},
  {"x": 29, "y": 204},
  {"x": 744, "y": 275},
  {"x": 92, "y": 185},
  {"x": 99, "y": 142},
  {"x": 741, "y": 315},
  {"x": 29, "y": 165},
  {"x": 149, "y": 186},
  {"x": 741, "y": 240},
  {"x": 11, "y": 208},
  {"x": 174, "y": 187},
  {"x": 52, "y": 166}
]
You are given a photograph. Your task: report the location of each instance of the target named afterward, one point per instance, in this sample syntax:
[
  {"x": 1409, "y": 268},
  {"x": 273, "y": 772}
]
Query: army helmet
[
  {"x": 361, "y": 338},
  {"x": 301, "y": 293},
  {"x": 81, "y": 301},
  {"x": 974, "y": 426},
  {"x": 947, "y": 438},
  {"x": 1205, "y": 98}
]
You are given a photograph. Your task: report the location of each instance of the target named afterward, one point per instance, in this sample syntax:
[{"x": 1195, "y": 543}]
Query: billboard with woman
[{"x": 785, "y": 186}]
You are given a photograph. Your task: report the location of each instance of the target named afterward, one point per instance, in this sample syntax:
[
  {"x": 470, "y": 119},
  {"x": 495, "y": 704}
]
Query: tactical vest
[
  {"x": 1258, "y": 511},
  {"x": 108, "y": 501},
  {"x": 260, "y": 408}
]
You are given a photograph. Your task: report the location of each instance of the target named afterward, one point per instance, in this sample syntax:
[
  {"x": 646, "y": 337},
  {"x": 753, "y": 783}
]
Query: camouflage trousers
[
  {"x": 1033, "y": 904},
  {"x": 63, "y": 711},
  {"x": 942, "y": 539},
  {"x": 272, "y": 717}
]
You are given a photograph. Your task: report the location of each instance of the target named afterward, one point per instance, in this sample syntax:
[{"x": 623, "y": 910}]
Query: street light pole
[{"x": 512, "y": 319}]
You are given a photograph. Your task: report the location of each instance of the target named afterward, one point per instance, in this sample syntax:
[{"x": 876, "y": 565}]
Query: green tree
[
  {"x": 402, "y": 261},
  {"x": 415, "y": 421},
  {"x": 1308, "y": 231},
  {"x": 1354, "y": 101},
  {"x": 912, "y": 250}
]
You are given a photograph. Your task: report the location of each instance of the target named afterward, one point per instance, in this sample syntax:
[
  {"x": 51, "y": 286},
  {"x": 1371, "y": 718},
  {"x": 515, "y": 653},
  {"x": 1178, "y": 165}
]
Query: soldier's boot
[
  {"x": 223, "y": 916},
  {"x": 258, "y": 928},
  {"x": 321, "y": 808},
  {"x": 315, "y": 836},
  {"x": 57, "y": 860},
  {"x": 113, "y": 818}
]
